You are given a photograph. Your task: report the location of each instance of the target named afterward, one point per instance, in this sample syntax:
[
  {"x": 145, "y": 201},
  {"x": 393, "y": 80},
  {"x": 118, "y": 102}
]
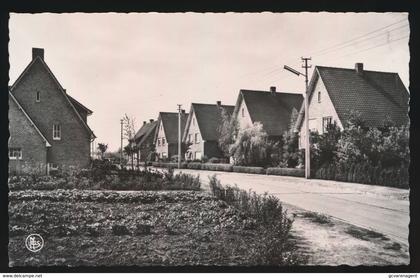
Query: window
[
  {"x": 326, "y": 121},
  {"x": 164, "y": 155},
  {"x": 56, "y": 132},
  {"x": 189, "y": 137},
  {"x": 163, "y": 141},
  {"x": 196, "y": 138},
  {"x": 193, "y": 122},
  {"x": 53, "y": 166},
  {"x": 243, "y": 112},
  {"x": 319, "y": 97},
  {"x": 158, "y": 141},
  {"x": 15, "y": 153},
  {"x": 197, "y": 155},
  {"x": 38, "y": 96}
]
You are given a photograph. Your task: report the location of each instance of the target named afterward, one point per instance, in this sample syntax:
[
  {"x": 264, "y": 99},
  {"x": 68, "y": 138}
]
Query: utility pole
[
  {"x": 179, "y": 136},
  {"x": 307, "y": 131},
  {"x": 121, "y": 150},
  {"x": 306, "y": 99}
]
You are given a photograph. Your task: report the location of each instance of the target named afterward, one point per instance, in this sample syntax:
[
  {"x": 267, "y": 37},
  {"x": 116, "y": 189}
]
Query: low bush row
[
  {"x": 110, "y": 180},
  {"x": 238, "y": 169},
  {"x": 268, "y": 213}
]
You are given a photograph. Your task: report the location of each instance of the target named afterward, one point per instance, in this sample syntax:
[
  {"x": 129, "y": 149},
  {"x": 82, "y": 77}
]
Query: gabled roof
[
  {"x": 79, "y": 105},
  {"x": 208, "y": 119},
  {"x": 376, "y": 95},
  {"x": 147, "y": 130},
  {"x": 61, "y": 89},
  {"x": 170, "y": 125},
  {"x": 272, "y": 110},
  {"x": 47, "y": 144}
]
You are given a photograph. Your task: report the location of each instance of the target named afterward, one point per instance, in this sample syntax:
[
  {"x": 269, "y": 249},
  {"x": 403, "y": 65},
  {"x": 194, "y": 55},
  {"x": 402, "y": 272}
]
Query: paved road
[{"x": 383, "y": 209}]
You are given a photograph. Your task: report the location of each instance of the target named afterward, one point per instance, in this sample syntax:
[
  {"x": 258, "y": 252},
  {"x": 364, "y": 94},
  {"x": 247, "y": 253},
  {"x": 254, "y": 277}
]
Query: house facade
[
  {"x": 335, "y": 92},
  {"x": 272, "y": 109},
  {"x": 144, "y": 140},
  {"x": 166, "y": 134},
  {"x": 59, "y": 118},
  {"x": 201, "y": 130}
]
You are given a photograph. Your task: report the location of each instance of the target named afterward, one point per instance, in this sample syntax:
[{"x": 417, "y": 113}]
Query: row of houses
[
  {"x": 333, "y": 94},
  {"x": 48, "y": 128}
]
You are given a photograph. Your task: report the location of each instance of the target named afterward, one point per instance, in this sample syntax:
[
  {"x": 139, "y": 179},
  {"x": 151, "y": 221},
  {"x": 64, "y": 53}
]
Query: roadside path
[{"x": 379, "y": 208}]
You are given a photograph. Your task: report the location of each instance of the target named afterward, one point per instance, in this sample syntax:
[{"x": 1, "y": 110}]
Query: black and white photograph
[{"x": 273, "y": 139}]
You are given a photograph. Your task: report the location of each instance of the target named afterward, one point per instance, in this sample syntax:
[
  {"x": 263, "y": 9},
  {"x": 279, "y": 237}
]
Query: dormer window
[
  {"x": 38, "y": 96},
  {"x": 56, "y": 132}
]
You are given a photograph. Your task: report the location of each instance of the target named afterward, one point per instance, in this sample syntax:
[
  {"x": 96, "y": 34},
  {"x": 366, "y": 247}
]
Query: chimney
[
  {"x": 37, "y": 52},
  {"x": 151, "y": 120},
  {"x": 359, "y": 68},
  {"x": 273, "y": 90},
  {"x": 144, "y": 122},
  {"x": 219, "y": 103}
]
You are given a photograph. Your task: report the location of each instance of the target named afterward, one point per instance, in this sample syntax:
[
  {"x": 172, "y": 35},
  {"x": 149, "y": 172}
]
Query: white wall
[
  {"x": 245, "y": 121},
  {"x": 193, "y": 129},
  {"x": 318, "y": 110},
  {"x": 161, "y": 134}
]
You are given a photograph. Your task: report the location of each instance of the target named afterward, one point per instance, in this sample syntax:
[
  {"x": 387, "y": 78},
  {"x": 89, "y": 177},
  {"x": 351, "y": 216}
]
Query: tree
[
  {"x": 251, "y": 147},
  {"x": 129, "y": 131},
  {"x": 102, "y": 147},
  {"x": 227, "y": 130}
]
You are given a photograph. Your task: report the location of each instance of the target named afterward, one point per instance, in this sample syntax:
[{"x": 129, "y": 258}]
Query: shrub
[
  {"x": 249, "y": 170},
  {"x": 217, "y": 167},
  {"x": 214, "y": 160},
  {"x": 286, "y": 172},
  {"x": 194, "y": 165},
  {"x": 275, "y": 248}
]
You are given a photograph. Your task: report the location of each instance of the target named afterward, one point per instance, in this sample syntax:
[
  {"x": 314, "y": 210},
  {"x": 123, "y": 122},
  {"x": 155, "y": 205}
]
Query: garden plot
[{"x": 144, "y": 228}]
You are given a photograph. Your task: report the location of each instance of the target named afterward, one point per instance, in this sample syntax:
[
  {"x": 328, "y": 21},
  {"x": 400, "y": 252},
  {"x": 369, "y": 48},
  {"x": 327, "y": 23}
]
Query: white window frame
[
  {"x": 196, "y": 156},
  {"x": 38, "y": 96},
  {"x": 13, "y": 151},
  {"x": 56, "y": 132},
  {"x": 53, "y": 166},
  {"x": 196, "y": 138},
  {"x": 164, "y": 155},
  {"x": 163, "y": 141},
  {"x": 325, "y": 121},
  {"x": 189, "y": 138},
  {"x": 158, "y": 142}
]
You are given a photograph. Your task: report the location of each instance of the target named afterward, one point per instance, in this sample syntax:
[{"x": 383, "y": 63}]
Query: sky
[{"x": 141, "y": 64}]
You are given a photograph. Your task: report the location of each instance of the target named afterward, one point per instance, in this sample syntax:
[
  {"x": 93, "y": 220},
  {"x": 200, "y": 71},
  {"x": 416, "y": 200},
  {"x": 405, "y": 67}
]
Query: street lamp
[
  {"x": 307, "y": 142},
  {"x": 179, "y": 136}
]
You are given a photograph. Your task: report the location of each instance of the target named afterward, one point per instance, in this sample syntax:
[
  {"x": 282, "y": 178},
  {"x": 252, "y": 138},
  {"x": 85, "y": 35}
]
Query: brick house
[
  {"x": 52, "y": 113},
  {"x": 144, "y": 139},
  {"x": 201, "y": 130},
  {"x": 335, "y": 92},
  {"x": 166, "y": 135},
  {"x": 270, "y": 108}
]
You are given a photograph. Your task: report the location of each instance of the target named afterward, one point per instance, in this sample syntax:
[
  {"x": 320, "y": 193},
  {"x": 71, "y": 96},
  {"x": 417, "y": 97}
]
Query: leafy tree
[
  {"x": 251, "y": 147},
  {"x": 227, "y": 130},
  {"x": 102, "y": 147}
]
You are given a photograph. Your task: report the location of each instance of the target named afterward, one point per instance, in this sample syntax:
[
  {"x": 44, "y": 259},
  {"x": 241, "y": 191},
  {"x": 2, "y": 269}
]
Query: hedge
[
  {"x": 217, "y": 167},
  {"x": 194, "y": 165},
  {"x": 286, "y": 172},
  {"x": 169, "y": 164},
  {"x": 249, "y": 170},
  {"x": 365, "y": 173}
]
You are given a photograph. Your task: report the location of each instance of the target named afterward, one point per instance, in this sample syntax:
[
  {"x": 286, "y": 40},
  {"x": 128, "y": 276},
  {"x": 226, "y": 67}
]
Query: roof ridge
[
  {"x": 352, "y": 69},
  {"x": 268, "y": 92}
]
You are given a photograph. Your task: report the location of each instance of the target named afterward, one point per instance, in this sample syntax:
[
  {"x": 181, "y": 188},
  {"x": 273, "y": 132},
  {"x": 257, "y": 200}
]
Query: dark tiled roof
[
  {"x": 209, "y": 119},
  {"x": 170, "y": 125},
  {"x": 376, "y": 95},
  {"x": 273, "y": 111},
  {"x": 147, "y": 130},
  {"x": 78, "y": 105}
]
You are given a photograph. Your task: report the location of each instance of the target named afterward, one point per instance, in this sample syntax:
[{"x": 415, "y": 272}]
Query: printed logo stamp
[{"x": 34, "y": 242}]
